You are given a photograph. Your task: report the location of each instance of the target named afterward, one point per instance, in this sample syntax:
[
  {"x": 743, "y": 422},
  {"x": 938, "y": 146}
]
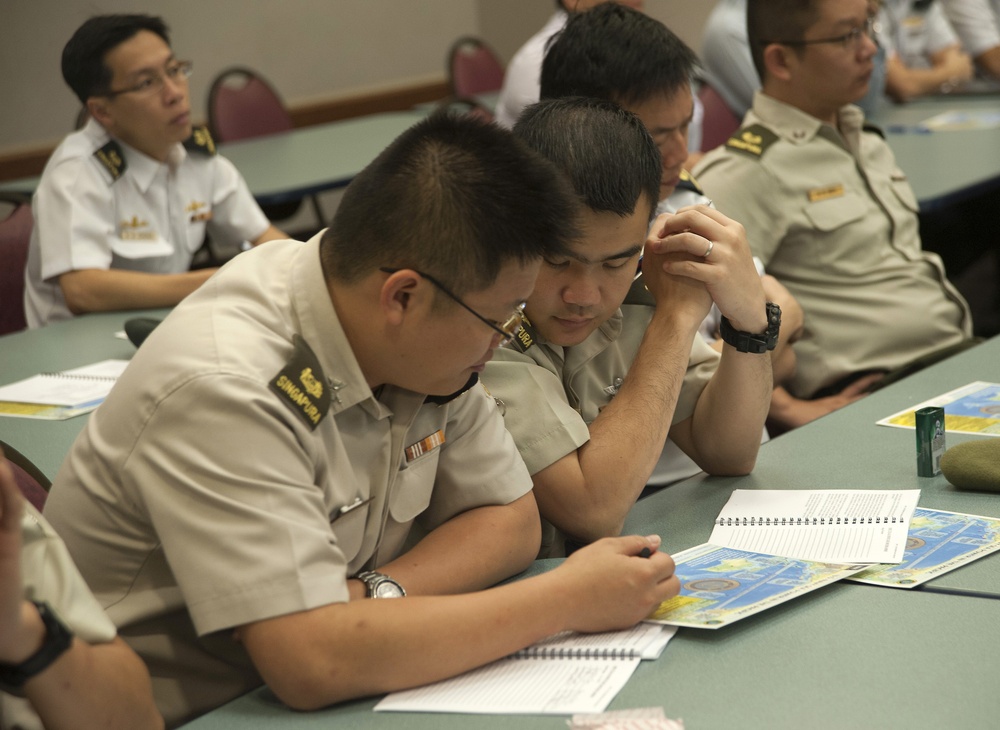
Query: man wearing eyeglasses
[
  {"x": 307, "y": 432},
  {"x": 825, "y": 206},
  {"x": 124, "y": 203}
]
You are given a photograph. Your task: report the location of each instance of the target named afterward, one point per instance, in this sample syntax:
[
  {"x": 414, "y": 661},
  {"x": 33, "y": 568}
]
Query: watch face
[{"x": 388, "y": 589}]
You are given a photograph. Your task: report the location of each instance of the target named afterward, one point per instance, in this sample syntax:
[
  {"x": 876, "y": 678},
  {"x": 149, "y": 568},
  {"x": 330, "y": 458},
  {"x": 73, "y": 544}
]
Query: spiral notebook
[
  {"x": 565, "y": 674},
  {"x": 824, "y": 525},
  {"x": 55, "y": 396}
]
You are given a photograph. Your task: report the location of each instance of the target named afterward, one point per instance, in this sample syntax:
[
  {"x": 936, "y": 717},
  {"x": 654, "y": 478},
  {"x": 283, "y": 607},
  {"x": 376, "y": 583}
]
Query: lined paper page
[
  {"x": 826, "y": 525},
  {"x": 645, "y": 641},
  {"x": 80, "y": 386},
  {"x": 521, "y": 687}
]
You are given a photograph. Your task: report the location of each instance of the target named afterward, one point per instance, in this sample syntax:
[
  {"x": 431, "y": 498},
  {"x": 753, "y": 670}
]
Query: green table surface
[
  {"x": 58, "y": 346},
  {"x": 844, "y": 450},
  {"x": 846, "y": 656}
]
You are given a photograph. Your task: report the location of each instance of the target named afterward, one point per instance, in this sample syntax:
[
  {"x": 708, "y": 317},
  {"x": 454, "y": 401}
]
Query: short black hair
[
  {"x": 456, "y": 197},
  {"x": 617, "y": 53},
  {"x": 83, "y": 66},
  {"x": 605, "y": 151},
  {"x": 771, "y": 21}
]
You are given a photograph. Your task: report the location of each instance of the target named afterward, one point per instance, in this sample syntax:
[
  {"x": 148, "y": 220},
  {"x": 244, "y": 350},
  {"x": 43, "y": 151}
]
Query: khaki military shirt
[
  {"x": 49, "y": 575},
  {"x": 834, "y": 219},
  {"x": 242, "y": 469},
  {"x": 550, "y": 394}
]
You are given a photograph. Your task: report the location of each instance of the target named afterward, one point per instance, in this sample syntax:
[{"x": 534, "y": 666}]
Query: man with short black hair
[
  {"x": 262, "y": 464},
  {"x": 124, "y": 203},
  {"x": 825, "y": 205},
  {"x": 607, "y": 363}
]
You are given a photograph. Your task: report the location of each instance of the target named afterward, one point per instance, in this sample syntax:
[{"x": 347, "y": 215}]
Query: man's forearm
[
  {"x": 100, "y": 686},
  {"x": 723, "y": 435},
  {"x": 105, "y": 290},
  {"x": 341, "y": 651},
  {"x": 989, "y": 61},
  {"x": 626, "y": 439}
]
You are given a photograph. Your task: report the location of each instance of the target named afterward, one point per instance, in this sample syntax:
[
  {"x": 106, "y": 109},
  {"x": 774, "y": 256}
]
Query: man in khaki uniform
[
  {"x": 825, "y": 206},
  {"x": 258, "y": 468},
  {"x": 61, "y": 664},
  {"x": 605, "y": 366}
]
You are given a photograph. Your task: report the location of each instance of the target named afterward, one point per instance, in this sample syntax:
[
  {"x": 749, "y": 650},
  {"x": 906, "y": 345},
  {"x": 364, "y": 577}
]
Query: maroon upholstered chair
[
  {"x": 243, "y": 105},
  {"x": 33, "y": 484},
  {"x": 720, "y": 121},
  {"x": 473, "y": 68},
  {"x": 15, "y": 234}
]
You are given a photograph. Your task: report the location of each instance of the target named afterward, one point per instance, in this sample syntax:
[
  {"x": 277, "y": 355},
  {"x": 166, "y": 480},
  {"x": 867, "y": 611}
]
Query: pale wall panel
[{"x": 310, "y": 49}]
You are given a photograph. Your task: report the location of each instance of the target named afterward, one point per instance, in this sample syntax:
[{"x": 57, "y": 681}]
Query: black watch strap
[
  {"x": 759, "y": 342},
  {"x": 57, "y": 640}
]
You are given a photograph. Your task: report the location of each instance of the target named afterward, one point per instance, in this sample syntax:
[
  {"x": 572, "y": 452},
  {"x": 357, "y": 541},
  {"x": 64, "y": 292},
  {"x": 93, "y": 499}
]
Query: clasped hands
[{"x": 698, "y": 256}]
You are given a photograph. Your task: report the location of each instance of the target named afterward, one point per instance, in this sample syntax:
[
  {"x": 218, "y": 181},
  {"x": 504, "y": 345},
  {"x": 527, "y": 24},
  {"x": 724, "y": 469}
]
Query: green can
[{"x": 930, "y": 440}]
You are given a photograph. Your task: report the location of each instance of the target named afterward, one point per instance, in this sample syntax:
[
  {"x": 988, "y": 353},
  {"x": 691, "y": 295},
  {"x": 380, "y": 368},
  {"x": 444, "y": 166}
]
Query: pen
[
  {"x": 645, "y": 552},
  {"x": 358, "y": 502}
]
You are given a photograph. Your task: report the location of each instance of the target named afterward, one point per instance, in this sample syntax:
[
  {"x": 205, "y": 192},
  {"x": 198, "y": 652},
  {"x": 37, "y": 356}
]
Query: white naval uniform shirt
[{"x": 129, "y": 212}]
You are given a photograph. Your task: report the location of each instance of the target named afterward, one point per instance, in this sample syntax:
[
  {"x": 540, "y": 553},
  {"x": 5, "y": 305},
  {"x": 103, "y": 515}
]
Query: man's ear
[
  {"x": 779, "y": 62},
  {"x": 396, "y": 297},
  {"x": 98, "y": 108}
]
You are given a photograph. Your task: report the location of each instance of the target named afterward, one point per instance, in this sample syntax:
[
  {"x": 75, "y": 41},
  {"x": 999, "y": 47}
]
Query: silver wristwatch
[{"x": 379, "y": 585}]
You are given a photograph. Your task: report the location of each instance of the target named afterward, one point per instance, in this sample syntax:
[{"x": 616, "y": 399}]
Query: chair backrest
[
  {"x": 33, "y": 484},
  {"x": 15, "y": 235},
  {"x": 473, "y": 68},
  {"x": 720, "y": 121},
  {"x": 241, "y": 104}
]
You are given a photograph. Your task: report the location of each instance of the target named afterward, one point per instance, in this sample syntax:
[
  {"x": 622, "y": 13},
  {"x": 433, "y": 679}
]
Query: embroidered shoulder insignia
[
  {"x": 200, "y": 141},
  {"x": 874, "y": 129},
  {"x": 639, "y": 294},
  {"x": 301, "y": 385},
  {"x": 689, "y": 183},
  {"x": 753, "y": 140},
  {"x": 111, "y": 157},
  {"x": 525, "y": 336}
]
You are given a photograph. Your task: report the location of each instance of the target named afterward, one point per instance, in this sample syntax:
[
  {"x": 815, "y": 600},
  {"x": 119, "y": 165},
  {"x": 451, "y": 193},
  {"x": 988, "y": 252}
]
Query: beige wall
[{"x": 310, "y": 49}]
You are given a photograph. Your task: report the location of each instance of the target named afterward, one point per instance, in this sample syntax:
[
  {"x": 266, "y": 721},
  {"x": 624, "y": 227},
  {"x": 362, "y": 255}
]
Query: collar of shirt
[
  {"x": 321, "y": 329},
  {"x": 797, "y": 127},
  {"x": 142, "y": 168}
]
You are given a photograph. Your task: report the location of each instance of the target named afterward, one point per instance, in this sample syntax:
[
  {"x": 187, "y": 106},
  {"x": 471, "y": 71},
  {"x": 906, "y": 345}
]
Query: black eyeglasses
[
  {"x": 152, "y": 83},
  {"x": 850, "y": 40},
  {"x": 506, "y": 329}
]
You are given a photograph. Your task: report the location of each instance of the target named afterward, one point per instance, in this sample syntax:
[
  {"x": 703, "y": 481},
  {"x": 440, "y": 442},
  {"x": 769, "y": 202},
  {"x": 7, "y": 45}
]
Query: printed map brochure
[
  {"x": 720, "y": 585},
  {"x": 974, "y": 408},
  {"x": 938, "y": 542}
]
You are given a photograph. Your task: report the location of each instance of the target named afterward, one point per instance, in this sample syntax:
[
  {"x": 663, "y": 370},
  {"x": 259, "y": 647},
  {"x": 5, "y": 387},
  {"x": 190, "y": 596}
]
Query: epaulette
[
  {"x": 112, "y": 158},
  {"x": 200, "y": 141},
  {"x": 687, "y": 182},
  {"x": 440, "y": 400},
  {"x": 753, "y": 140},
  {"x": 301, "y": 385},
  {"x": 525, "y": 336},
  {"x": 639, "y": 294},
  {"x": 874, "y": 129}
]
